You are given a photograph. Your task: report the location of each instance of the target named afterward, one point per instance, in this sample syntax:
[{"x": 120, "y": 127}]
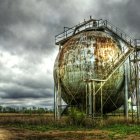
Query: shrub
[{"x": 76, "y": 117}]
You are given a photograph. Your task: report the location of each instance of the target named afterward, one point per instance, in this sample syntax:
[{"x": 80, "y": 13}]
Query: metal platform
[{"x": 93, "y": 24}]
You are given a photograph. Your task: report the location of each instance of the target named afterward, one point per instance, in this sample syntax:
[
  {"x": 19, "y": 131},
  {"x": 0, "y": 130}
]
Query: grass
[
  {"x": 122, "y": 130},
  {"x": 44, "y": 128},
  {"x": 36, "y": 122},
  {"x": 117, "y": 131},
  {"x": 116, "y": 127}
]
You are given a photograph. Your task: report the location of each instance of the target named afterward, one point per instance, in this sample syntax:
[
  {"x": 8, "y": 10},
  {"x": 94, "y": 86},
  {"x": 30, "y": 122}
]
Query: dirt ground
[{"x": 19, "y": 134}]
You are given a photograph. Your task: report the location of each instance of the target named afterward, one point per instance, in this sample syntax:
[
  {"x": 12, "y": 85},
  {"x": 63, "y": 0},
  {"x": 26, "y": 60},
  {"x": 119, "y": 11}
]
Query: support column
[
  {"x": 59, "y": 101},
  {"x": 94, "y": 99},
  {"x": 138, "y": 103},
  {"x": 137, "y": 93},
  {"x": 101, "y": 101},
  {"x": 90, "y": 98},
  {"x": 132, "y": 109},
  {"x": 137, "y": 83},
  {"x": 86, "y": 98},
  {"x": 55, "y": 103},
  {"x": 138, "y": 99},
  {"x": 126, "y": 92}
]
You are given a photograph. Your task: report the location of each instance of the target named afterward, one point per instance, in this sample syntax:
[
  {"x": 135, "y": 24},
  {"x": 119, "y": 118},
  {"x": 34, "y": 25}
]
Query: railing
[
  {"x": 67, "y": 33},
  {"x": 137, "y": 45},
  {"x": 120, "y": 33},
  {"x": 78, "y": 28},
  {"x": 94, "y": 24},
  {"x": 119, "y": 59}
]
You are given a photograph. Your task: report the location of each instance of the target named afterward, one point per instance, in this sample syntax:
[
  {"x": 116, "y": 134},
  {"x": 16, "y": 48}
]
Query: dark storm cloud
[
  {"x": 19, "y": 94},
  {"x": 125, "y": 14},
  {"x": 27, "y": 47},
  {"x": 23, "y": 26},
  {"x": 47, "y": 18},
  {"x": 15, "y": 91},
  {"x": 122, "y": 13}
]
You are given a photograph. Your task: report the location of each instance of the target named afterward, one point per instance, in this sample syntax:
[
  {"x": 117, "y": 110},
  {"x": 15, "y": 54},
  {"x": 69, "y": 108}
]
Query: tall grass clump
[{"x": 75, "y": 117}]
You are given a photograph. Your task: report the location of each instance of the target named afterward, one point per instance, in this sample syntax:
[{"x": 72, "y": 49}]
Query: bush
[{"x": 76, "y": 117}]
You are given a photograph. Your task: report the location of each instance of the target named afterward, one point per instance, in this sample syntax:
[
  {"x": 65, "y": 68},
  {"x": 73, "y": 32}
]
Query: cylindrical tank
[{"x": 90, "y": 55}]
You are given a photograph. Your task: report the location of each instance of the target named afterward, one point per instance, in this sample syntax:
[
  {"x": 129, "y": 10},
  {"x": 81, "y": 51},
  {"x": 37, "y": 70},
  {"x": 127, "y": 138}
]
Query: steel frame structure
[{"x": 129, "y": 58}]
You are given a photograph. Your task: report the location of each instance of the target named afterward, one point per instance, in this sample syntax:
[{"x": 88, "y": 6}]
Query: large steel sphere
[{"x": 90, "y": 55}]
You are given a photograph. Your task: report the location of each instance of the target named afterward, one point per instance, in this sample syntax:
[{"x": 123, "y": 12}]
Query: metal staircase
[{"x": 117, "y": 63}]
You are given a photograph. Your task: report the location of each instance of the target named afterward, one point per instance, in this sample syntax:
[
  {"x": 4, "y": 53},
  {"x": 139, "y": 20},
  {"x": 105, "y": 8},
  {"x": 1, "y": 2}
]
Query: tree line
[{"x": 29, "y": 110}]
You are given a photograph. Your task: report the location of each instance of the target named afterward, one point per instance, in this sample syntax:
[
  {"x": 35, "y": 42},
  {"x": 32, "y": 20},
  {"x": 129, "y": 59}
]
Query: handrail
[
  {"x": 120, "y": 33},
  {"x": 71, "y": 31},
  {"x": 118, "y": 56},
  {"x": 104, "y": 81},
  {"x": 91, "y": 24},
  {"x": 118, "y": 29}
]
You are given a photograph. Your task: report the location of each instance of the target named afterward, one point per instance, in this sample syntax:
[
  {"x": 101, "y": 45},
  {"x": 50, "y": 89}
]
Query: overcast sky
[{"x": 27, "y": 47}]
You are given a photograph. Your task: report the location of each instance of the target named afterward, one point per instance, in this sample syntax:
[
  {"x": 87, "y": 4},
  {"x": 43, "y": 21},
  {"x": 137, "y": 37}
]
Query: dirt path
[
  {"x": 14, "y": 133},
  {"x": 22, "y": 134},
  {"x": 5, "y": 134}
]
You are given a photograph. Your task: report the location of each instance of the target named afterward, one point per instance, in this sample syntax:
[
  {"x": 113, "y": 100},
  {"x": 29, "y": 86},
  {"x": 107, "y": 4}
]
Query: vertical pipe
[
  {"x": 59, "y": 92},
  {"x": 135, "y": 66},
  {"x": 131, "y": 84},
  {"x": 126, "y": 92},
  {"x": 90, "y": 100},
  {"x": 132, "y": 109},
  {"x": 138, "y": 94},
  {"x": 86, "y": 99},
  {"x": 59, "y": 100},
  {"x": 94, "y": 110},
  {"x": 138, "y": 90},
  {"x": 54, "y": 102},
  {"x": 130, "y": 71},
  {"x": 101, "y": 101},
  {"x": 137, "y": 83}
]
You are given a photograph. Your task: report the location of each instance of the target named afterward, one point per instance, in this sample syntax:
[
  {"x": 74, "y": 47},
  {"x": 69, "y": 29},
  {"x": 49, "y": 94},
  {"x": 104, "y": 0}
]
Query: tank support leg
[
  {"x": 90, "y": 98},
  {"x": 86, "y": 98},
  {"x": 93, "y": 114},
  {"x": 101, "y": 101},
  {"x": 126, "y": 92},
  {"x": 59, "y": 101},
  {"x": 55, "y": 102}
]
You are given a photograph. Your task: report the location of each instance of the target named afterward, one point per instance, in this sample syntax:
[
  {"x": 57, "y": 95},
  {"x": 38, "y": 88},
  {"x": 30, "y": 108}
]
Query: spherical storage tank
[{"x": 88, "y": 55}]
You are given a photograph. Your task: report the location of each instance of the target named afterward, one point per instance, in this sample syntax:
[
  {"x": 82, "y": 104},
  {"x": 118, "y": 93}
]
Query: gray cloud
[{"x": 27, "y": 47}]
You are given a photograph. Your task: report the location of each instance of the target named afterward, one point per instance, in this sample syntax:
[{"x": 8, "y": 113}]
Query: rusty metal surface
[{"x": 88, "y": 55}]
